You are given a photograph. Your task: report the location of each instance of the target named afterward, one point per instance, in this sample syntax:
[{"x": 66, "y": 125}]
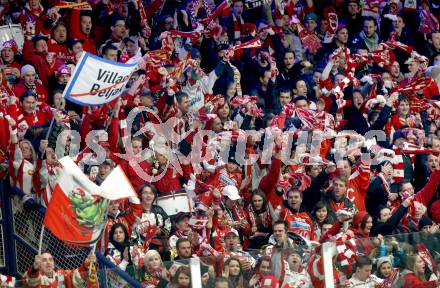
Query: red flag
[
  {"x": 77, "y": 211},
  {"x": 74, "y": 215}
]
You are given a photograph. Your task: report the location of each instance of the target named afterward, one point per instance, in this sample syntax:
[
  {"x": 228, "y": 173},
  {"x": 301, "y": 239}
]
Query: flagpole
[
  {"x": 48, "y": 134},
  {"x": 111, "y": 118},
  {"x": 40, "y": 200},
  {"x": 92, "y": 252},
  {"x": 40, "y": 243}
]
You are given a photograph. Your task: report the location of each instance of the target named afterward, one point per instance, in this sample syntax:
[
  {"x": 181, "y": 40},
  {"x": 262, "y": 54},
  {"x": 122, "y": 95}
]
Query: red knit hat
[
  {"x": 357, "y": 219},
  {"x": 10, "y": 44},
  {"x": 435, "y": 211}
]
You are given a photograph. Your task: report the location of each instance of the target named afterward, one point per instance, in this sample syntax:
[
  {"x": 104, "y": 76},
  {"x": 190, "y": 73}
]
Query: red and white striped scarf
[
  {"x": 346, "y": 249},
  {"x": 385, "y": 184},
  {"x": 408, "y": 149},
  {"x": 428, "y": 22},
  {"x": 309, "y": 39},
  {"x": 390, "y": 281},
  {"x": 238, "y": 26},
  {"x": 393, "y": 44},
  {"x": 417, "y": 105},
  {"x": 427, "y": 257},
  {"x": 371, "y": 8},
  {"x": 420, "y": 83},
  {"x": 307, "y": 117}
]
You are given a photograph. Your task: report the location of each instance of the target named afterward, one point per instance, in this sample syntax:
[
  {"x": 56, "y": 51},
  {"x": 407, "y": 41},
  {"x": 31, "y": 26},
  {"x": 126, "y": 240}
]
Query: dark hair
[
  {"x": 115, "y": 19},
  {"x": 285, "y": 89},
  {"x": 294, "y": 190},
  {"x": 119, "y": 246},
  {"x": 108, "y": 47},
  {"x": 259, "y": 192},
  {"x": 261, "y": 72},
  {"x": 260, "y": 261},
  {"x": 57, "y": 91},
  {"x": 85, "y": 13},
  {"x": 403, "y": 98},
  {"x": 369, "y": 18},
  {"x": 308, "y": 168},
  {"x": 357, "y": 91},
  {"x": 400, "y": 184},
  {"x": 289, "y": 51},
  {"x": 364, "y": 221},
  {"x": 235, "y": 281},
  {"x": 328, "y": 221},
  {"x": 163, "y": 18},
  {"x": 319, "y": 205},
  {"x": 281, "y": 222},
  {"x": 57, "y": 24},
  {"x": 26, "y": 94},
  {"x": 299, "y": 98},
  {"x": 363, "y": 261},
  {"x": 180, "y": 241},
  {"x": 180, "y": 95},
  {"x": 182, "y": 269},
  {"x": 136, "y": 139},
  {"x": 151, "y": 186}
]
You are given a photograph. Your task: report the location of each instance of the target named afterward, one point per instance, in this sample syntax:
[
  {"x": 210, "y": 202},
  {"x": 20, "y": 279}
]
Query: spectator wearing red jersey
[
  {"x": 298, "y": 220},
  {"x": 35, "y": 52},
  {"x": 8, "y": 57},
  {"x": 29, "y": 83},
  {"x": 81, "y": 28},
  {"x": 58, "y": 40}
]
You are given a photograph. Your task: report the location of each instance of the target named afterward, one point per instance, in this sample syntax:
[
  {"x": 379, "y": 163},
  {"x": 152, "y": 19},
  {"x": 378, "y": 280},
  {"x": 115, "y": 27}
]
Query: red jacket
[
  {"x": 411, "y": 281},
  {"x": 42, "y": 94},
  {"x": 41, "y": 115},
  {"x": 299, "y": 222},
  {"x": 39, "y": 62},
  {"x": 358, "y": 185},
  {"x": 221, "y": 178},
  {"x": 268, "y": 184},
  {"x": 89, "y": 44},
  {"x": 135, "y": 179},
  {"x": 170, "y": 182},
  {"x": 59, "y": 49}
]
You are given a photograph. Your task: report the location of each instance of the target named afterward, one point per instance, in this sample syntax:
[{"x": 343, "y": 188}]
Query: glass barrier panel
[{"x": 401, "y": 260}]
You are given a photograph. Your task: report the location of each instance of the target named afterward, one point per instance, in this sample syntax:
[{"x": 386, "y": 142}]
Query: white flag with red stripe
[{"x": 97, "y": 81}]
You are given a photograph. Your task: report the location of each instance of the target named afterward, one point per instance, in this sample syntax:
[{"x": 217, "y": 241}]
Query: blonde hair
[
  {"x": 149, "y": 254},
  {"x": 411, "y": 265}
]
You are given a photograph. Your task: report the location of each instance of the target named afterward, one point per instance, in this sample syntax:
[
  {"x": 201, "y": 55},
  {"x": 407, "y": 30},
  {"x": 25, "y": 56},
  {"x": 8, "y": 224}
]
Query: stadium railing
[
  {"x": 20, "y": 240},
  {"x": 21, "y": 229}
]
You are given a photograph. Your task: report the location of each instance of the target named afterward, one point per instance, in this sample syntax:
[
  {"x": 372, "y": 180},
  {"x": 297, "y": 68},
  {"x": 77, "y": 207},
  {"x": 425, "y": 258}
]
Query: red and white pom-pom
[
  {"x": 206, "y": 117},
  {"x": 7, "y": 281},
  {"x": 346, "y": 249}
]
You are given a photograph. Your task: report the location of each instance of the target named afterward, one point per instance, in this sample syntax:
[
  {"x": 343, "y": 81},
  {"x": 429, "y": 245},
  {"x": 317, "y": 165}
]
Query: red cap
[{"x": 357, "y": 219}]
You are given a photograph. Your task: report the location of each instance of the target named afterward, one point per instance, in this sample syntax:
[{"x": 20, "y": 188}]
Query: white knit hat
[
  {"x": 26, "y": 69},
  {"x": 382, "y": 260}
]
